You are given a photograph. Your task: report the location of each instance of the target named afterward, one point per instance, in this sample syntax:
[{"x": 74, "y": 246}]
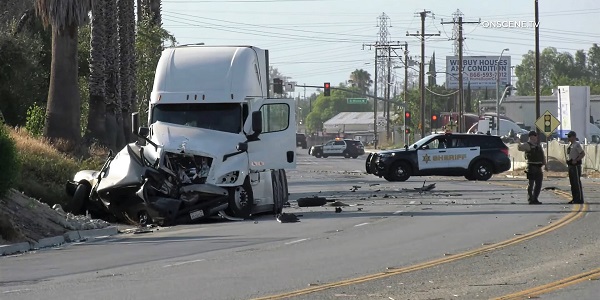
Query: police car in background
[
  {"x": 338, "y": 147},
  {"x": 474, "y": 156}
]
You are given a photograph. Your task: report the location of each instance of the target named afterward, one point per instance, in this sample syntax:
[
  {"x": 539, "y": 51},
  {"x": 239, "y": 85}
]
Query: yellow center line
[
  {"x": 546, "y": 288},
  {"x": 576, "y": 212}
]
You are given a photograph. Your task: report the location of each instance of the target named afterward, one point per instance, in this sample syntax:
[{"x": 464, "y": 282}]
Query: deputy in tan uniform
[
  {"x": 536, "y": 160},
  {"x": 575, "y": 155}
]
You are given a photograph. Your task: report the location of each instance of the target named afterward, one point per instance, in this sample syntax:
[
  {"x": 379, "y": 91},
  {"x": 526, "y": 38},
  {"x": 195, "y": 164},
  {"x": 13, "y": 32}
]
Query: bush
[
  {"x": 9, "y": 167},
  {"x": 36, "y": 116}
]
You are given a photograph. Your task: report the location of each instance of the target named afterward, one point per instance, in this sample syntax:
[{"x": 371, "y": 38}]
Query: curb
[{"x": 68, "y": 237}]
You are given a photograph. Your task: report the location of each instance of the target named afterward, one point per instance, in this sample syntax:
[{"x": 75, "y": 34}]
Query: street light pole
[{"x": 498, "y": 92}]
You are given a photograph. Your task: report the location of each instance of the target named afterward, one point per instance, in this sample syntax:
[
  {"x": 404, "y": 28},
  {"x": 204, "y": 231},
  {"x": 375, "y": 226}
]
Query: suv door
[
  {"x": 328, "y": 148},
  {"x": 459, "y": 152},
  {"x": 431, "y": 154},
  {"x": 339, "y": 147}
]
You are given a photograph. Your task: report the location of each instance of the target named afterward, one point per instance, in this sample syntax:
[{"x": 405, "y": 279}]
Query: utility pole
[
  {"x": 379, "y": 46},
  {"x": 422, "y": 67},
  {"x": 405, "y": 88},
  {"x": 387, "y": 96},
  {"x": 461, "y": 107},
  {"x": 537, "y": 64}
]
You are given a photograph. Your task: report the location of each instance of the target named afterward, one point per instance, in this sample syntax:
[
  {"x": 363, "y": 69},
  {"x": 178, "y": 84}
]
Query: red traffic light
[
  {"x": 407, "y": 114},
  {"x": 327, "y": 85},
  {"x": 434, "y": 117}
]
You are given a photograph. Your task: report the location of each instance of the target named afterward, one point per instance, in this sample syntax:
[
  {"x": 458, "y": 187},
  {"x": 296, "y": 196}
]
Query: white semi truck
[{"x": 213, "y": 126}]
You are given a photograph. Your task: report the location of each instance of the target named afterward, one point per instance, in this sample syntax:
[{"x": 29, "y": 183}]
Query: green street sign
[{"x": 357, "y": 100}]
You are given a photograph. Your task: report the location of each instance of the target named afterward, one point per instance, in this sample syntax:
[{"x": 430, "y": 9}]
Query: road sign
[
  {"x": 290, "y": 86},
  {"x": 451, "y": 126},
  {"x": 547, "y": 123},
  {"x": 357, "y": 100}
]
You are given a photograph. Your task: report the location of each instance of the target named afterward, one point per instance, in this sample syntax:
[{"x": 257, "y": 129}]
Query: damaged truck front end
[{"x": 142, "y": 185}]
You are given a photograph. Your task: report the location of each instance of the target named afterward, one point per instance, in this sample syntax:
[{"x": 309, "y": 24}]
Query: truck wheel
[
  {"x": 278, "y": 197},
  {"x": 241, "y": 200},
  {"x": 400, "y": 171}
]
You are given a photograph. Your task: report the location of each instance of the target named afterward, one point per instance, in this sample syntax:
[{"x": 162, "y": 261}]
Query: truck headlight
[{"x": 230, "y": 177}]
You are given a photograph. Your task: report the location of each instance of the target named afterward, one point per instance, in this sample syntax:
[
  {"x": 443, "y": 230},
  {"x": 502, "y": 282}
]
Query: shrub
[
  {"x": 9, "y": 167},
  {"x": 36, "y": 116}
]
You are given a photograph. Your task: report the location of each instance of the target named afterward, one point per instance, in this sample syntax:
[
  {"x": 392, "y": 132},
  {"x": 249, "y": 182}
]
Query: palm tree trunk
[
  {"x": 64, "y": 103},
  {"x": 123, "y": 11},
  {"x": 113, "y": 105},
  {"x": 96, "y": 128}
]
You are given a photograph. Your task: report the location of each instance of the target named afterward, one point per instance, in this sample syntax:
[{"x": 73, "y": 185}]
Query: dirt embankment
[{"x": 24, "y": 219}]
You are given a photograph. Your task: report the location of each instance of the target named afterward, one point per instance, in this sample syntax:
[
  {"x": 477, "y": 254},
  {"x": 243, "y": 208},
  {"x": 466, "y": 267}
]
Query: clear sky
[{"x": 316, "y": 41}]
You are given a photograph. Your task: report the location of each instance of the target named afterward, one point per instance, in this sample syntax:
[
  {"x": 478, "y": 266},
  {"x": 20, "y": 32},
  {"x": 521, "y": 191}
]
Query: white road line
[
  {"x": 400, "y": 211},
  {"x": 184, "y": 262},
  {"x": 361, "y": 224},
  {"x": 15, "y": 291},
  {"x": 296, "y": 241},
  {"x": 412, "y": 202}
]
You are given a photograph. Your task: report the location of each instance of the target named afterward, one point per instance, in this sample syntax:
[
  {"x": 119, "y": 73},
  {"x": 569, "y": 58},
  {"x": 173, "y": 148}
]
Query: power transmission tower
[
  {"x": 380, "y": 48},
  {"x": 455, "y": 30},
  {"x": 461, "y": 107},
  {"x": 422, "y": 36}
]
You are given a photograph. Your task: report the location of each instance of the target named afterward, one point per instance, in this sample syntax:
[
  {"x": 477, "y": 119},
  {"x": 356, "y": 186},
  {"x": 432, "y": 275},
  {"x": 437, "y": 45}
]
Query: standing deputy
[
  {"x": 535, "y": 161},
  {"x": 575, "y": 155}
]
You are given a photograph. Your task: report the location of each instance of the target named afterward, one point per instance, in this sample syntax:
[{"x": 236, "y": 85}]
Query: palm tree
[
  {"x": 114, "y": 117},
  {"x": 96, "y": 127},
  {"x": 361, "y": 79},
  {"x": 126, "y": 28},
  {"x": 64, "y": 103}
]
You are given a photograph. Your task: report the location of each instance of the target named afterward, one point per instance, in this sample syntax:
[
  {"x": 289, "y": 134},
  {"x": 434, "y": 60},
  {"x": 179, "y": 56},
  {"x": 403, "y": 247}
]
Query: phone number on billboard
[{"x": 485, "y": 75}]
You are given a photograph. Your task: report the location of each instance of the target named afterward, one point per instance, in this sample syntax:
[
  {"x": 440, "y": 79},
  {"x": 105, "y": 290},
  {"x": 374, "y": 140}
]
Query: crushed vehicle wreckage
[
  {"x": 135, "y": 187},
  {"x": 208, "y": 150}
]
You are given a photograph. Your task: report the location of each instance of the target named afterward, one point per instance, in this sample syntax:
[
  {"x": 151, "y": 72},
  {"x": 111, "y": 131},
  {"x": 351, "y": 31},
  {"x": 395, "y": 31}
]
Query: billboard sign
[{"x": 480, "y": 71}]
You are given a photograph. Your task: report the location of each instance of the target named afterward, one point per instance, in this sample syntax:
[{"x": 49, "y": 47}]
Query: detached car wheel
[
  {"x": 482, "y": 170},
  {"x": 80, "y": 199}
]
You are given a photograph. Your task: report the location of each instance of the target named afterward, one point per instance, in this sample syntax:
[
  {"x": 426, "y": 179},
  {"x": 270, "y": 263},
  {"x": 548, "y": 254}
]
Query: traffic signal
[
  {"x": 277, "y": 86},
  {"x": 492, "y": 123},
  {"x": 407, "y": 118},
  {"x": 407, "y": 130},
  {"x": 434, "y": 121},
  {"x": 327, "y": 87},
  {"x": 508, "y": 90},
  {"x": 547, "y": 123}
]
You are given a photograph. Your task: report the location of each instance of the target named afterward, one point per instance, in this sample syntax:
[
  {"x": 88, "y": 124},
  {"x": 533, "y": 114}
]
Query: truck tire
[{"x": 241, "y": 200}]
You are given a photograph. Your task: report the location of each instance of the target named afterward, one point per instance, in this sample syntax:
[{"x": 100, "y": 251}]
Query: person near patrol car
[
  {"x": 575, "y": 155},
  {"x": 535, "y": 161}
]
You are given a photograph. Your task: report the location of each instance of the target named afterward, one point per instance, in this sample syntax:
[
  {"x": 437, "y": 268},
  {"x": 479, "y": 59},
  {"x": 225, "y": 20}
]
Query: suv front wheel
[{"x": 400, "y": 171}]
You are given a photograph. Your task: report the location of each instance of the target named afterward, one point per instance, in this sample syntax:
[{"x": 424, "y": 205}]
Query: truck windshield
[{"x": 225, "y": 117}]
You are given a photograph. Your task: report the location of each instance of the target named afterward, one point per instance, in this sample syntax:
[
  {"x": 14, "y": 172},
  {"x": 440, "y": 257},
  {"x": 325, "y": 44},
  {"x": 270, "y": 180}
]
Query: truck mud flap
[{"x": 171, "y": 211}]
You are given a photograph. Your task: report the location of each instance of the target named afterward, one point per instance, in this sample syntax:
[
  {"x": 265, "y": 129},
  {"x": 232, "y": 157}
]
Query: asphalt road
[{"x": 387, "y": 228}]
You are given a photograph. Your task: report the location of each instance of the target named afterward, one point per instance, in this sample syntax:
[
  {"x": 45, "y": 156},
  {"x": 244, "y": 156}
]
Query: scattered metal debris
[
  {"x": 338, "y": 210},
  {"x": 338, "y": 204}
]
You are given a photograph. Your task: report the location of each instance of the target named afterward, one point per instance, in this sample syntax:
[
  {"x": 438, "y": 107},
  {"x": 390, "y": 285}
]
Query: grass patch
[{"x": 45, "y": 167}]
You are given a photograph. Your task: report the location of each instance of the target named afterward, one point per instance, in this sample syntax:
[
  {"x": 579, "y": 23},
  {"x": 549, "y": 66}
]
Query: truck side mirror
[
  {"x": 143, "y": 131},
  {"x": 135, "y": 122},
  {"x": 257, "y": 122}
]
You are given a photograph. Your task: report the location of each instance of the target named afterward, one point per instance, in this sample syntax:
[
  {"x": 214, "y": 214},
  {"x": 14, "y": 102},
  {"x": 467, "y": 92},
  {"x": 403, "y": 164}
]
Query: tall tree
[
  {"x": 64, "y": 103},
  {"x": 114, "y": 120},
  {"x": 593, "y": 62},
  {"x": 126, "y": 29},
  {"x": 431, "y": 75},
  {"x": 361, "y": 79},
  {"x": 96, "y": 127}
]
